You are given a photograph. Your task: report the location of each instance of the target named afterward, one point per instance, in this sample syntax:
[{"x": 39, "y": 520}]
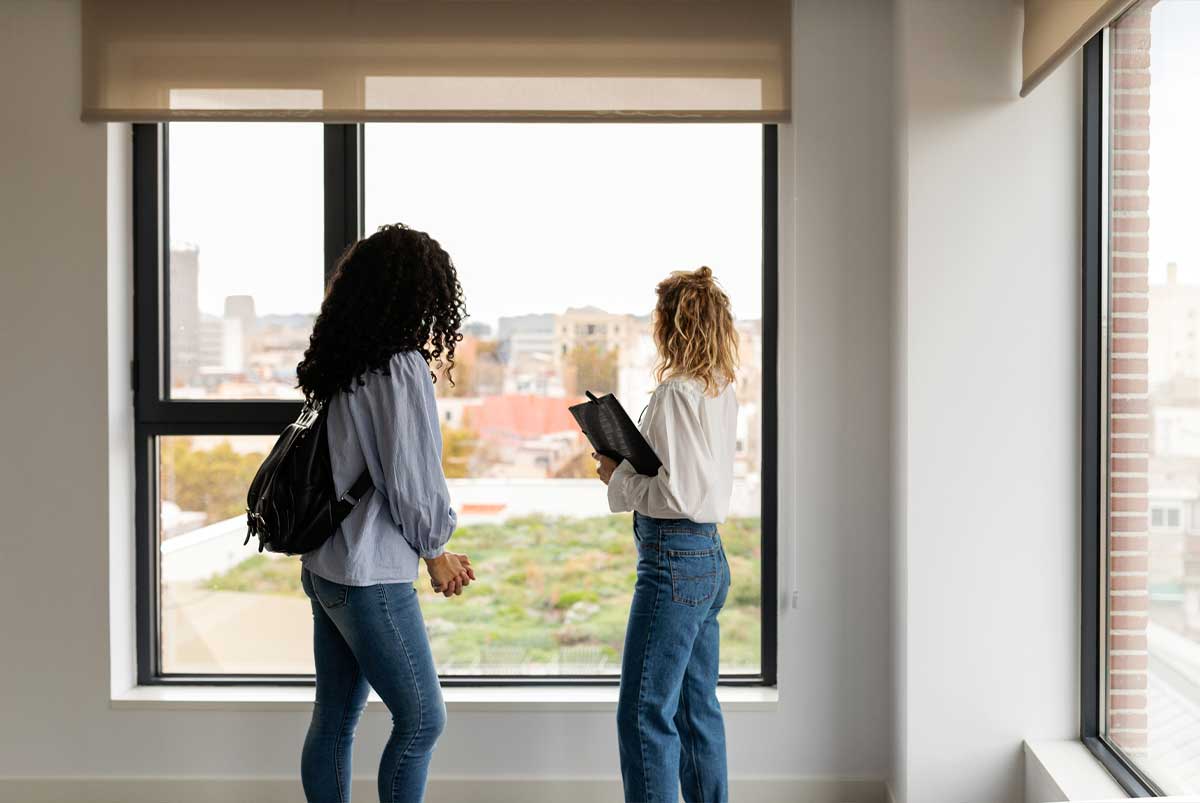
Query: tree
[
  {"x": 591, "y": 367},
  {"x": 210, "y": 480},
  {"x": 477, "y": 370},
  {"x": 458, "y": 447}
]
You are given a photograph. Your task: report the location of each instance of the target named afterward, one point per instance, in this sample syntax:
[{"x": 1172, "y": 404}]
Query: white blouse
[{"x": 695, "y": 437}]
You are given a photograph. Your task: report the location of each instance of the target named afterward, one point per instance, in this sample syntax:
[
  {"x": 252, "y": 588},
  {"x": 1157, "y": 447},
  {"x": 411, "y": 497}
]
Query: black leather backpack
[{"x": 292, "y": 505}]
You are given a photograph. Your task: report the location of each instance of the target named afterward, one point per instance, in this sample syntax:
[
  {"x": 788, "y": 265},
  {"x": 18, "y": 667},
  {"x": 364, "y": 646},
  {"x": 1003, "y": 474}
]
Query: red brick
[
  {"x": 1128, "y": 504},
  {"x": 1130, "y": 365},
  {"x": 1130, "y": 264},
  {"x": 1131, "y": 224},
  {"x": 1128, "y": 346},
  {"x": 1130, "y": 284},
  {"x": 1135, "y": 60},
  {"x": 1127, "y": 582},
  {"x": 1130, "y": 243},
  {"x": 1135, "y": 445},
  {"x": 1134, "y": 325},
  {"x": 1128, "y": 406},
  {"x": 1130, "y": 465},
  {"x": 1131, "y": 123},
  {"x": 1127, "y": 702},
  {"x": 1128, "y": 543},
  {"x": 1131, "y": 102},
  {"x": 1130, "y": 643},
  {"x": 1139, "y": 425},
  {"x": 1129, "y": 485},
  {"x": 1131, "y": 161},
  {"x": 1126, "y": 41},
  {"x": 1127, "y": 680},
  {"x": 1127, "y": 622},
  {"x": 1128, "y": 662},
  {"x": 1127, "y": 385},
  {"x": 1135, "y": 603},
  {"x": 1131, "y": 142},
  {"x": 1139, "y": 202},
  {"x": 1130, "y": 304},
  {"x": 1129, "y": 563},
  {"x": 1118, "y": 720}
]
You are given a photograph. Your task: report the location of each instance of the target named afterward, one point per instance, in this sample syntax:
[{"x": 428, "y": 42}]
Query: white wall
[
  {"x": 64, "y": 484},
  {"x": 987, "y": 403}
]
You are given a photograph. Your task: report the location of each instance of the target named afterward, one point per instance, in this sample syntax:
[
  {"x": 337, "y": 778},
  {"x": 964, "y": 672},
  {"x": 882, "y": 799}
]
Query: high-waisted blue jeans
[
  {"x": 370, "y": 635},
  {"x": 669, "y": 725}
]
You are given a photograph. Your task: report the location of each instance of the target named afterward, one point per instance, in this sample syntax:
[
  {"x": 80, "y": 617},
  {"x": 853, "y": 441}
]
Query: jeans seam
[
  {"x": 412, "y": 673},
  {"x": 337, "y": 739},
  {"x": 642, "y": 691},
  {"x": 690, "y": 740}
]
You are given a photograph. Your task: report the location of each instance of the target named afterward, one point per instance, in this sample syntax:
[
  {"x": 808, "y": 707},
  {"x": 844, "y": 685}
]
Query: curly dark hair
[{"x": 394, "y": 291}]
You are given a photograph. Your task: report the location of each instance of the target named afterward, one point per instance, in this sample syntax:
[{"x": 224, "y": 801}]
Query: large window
[
  {"x": 559, "y": 233},
  {"x": 1141, "y": 577}
]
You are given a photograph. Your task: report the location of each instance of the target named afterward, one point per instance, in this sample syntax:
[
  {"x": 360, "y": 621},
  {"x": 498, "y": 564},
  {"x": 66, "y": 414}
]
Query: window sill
[
  {"x": 458, "y": 698},
  {"x": 1065, "y": 770}
]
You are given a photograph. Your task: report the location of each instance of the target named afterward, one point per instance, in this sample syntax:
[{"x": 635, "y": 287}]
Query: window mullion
[{"x": 343, "y": 191}]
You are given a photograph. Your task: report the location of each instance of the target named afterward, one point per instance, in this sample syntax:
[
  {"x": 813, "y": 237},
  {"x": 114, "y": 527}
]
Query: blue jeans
[
  {"x": 370, "y": 635},
  {"x": 669, "y": 726}
]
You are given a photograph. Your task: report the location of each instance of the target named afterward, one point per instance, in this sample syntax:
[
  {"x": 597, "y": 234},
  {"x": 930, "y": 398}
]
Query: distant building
[
  {"x": 477, "y": 329},
  {"x": 239, "y": 330},
  {"x": 1174, "y": 320},
  {"x": 591, "y": 326},
  {"x": 526, "y": 348},
  {"x": 222, "y": 346},
  {"x": 184, "y": 311},
  {"x": 519, "y": 335}
]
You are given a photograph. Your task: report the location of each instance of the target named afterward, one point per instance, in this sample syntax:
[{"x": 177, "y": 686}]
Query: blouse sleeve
[
  {"x": 408, "y": 440},
  {"x": 685, "y": 478}
]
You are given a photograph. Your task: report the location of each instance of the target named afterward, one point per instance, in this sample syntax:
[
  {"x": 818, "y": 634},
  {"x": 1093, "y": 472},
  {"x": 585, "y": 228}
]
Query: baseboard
[{"x": 441, "y": 790}]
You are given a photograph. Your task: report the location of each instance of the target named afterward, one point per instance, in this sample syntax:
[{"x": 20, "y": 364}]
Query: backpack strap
[{"x": 358, "y": 490}]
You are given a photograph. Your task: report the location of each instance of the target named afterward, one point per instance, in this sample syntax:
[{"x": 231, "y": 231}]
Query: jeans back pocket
[
  {"x": 328, "y": 593},
  {"x": 693, "y": 575}
]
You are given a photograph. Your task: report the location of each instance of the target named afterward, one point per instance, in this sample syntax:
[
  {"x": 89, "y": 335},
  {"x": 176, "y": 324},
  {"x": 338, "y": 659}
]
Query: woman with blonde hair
[{"x": 669, "y": 726}]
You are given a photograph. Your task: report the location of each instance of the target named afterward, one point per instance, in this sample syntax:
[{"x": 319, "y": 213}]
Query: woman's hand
[
  {"x": 450, "y": 573},
  {"x": 606, "y": 468}
]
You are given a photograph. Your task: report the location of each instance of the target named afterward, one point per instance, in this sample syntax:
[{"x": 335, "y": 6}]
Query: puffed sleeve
[{"x": 408, "y": 440}]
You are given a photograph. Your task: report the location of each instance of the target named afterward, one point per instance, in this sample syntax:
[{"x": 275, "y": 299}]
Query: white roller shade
[
  {"x": 362, "y": 60},
  {"x": 1055, "y": 29}
]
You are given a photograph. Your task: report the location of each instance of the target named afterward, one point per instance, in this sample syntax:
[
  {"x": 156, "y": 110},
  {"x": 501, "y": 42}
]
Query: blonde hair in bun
[{"x": 694, "y": 331}]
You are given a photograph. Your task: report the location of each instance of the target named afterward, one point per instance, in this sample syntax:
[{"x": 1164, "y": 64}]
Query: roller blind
[
  {"x": 1055, "y": 29},
  {"x": 362, "y": 60}
]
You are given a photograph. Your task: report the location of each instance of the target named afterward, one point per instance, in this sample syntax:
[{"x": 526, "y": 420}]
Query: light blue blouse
[{"x": 391, "y": 426}]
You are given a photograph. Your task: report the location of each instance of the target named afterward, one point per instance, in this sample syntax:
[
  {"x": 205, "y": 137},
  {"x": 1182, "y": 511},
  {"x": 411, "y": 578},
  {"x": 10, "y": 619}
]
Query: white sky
[
  {"x": 1175, "y": 140},
  {"x": 536, "y": 217}
]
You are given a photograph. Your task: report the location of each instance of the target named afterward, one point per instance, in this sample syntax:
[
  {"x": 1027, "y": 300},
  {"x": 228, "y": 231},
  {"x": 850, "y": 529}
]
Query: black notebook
[{"x": 612, "y": 433}]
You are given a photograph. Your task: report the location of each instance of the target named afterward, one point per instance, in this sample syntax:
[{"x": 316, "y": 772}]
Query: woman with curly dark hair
[{"x": 391, "y": 315}]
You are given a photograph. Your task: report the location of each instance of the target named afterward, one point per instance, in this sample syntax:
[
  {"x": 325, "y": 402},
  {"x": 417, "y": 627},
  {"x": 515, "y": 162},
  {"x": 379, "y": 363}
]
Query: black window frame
[
  {"x": 156, "y": 414},
  {"x": 1094, "y": 421}
]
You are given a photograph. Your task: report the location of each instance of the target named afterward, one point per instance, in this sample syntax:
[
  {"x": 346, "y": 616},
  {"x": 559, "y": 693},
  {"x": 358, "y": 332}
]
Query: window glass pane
[
  {"x": 560, "y": 233},
  {"x": 1153, "y": 678},
  {"x": 246, "y": 271},
  {"x": 224, "y": 607}
]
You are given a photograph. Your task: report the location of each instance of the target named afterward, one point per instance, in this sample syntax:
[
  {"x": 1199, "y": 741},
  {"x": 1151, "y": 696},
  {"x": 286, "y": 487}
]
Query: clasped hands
[{"x": 450, "y": 573}]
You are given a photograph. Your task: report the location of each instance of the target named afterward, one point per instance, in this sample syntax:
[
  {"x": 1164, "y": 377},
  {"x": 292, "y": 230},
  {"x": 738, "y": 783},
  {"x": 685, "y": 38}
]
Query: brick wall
[{"x": 1129, "y": 419}]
